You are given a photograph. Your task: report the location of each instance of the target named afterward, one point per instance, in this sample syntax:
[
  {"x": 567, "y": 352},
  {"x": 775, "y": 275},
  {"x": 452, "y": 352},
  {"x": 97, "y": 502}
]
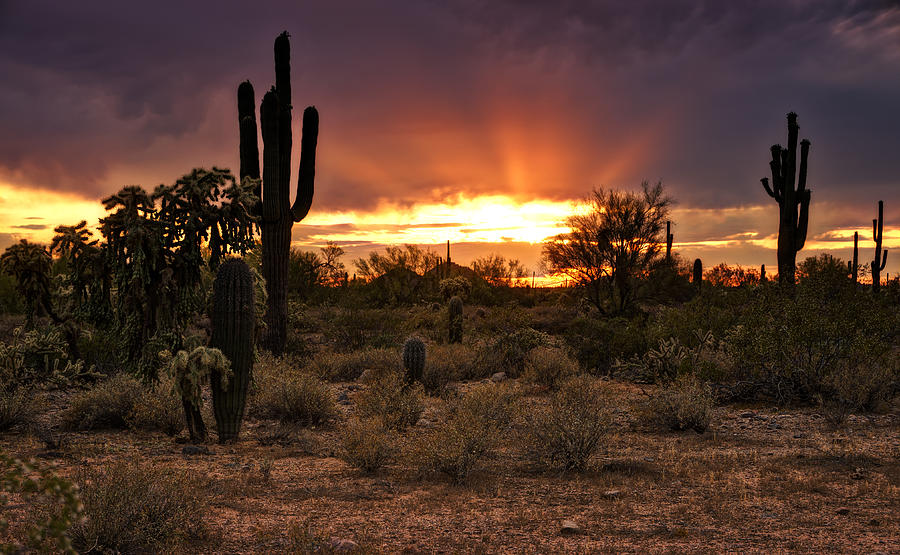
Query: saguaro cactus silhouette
[
  {"x": 853, "y": 266},
  {"x": 790, "y": 192},
  {"x": 233, "y": 323},
  {"x": 669, "y": 238},
  {"x": 880, "y": 255},
  {"x": 698, "y": 274},
  {"x": 455, "y": 319},
  {"x": 277, "y": 215},
  {"x": 414, "y": 359}
]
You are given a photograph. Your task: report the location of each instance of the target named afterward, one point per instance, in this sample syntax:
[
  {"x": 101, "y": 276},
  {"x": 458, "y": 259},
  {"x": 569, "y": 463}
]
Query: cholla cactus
[
  {"x": 190, "y": 371},
  {"x": 455, "y": 312},
  {"x": 414, "y": 359}
]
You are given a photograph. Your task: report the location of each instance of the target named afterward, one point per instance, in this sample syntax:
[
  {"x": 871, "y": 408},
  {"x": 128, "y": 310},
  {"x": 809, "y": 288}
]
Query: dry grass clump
[
  {"x": 158, "y": 408},
  {"x": 284, "y": 392},
  {"x": 133, "y": 508},
  {"x": 367, "y": 444},
  {"x": 348, "y": 367},
  {"x": 683, "y": 404},
  {"x": 390, "y": 400},
  {"x": 107, "y": 405},
  {"x": 567, "y": 432},
  {"x": 17, "y": 408},
  {"x": 549, "y": 366},
  {"x": 447, "y": 363},
  {"x": 474, "y": 426}
]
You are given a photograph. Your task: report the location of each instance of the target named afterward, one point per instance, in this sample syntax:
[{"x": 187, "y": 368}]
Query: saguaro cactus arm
[{"x": 306, "y": 175}]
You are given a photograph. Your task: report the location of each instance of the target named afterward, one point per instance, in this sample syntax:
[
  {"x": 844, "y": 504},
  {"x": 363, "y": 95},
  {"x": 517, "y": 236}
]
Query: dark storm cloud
[{"x": 423, "y": 100}]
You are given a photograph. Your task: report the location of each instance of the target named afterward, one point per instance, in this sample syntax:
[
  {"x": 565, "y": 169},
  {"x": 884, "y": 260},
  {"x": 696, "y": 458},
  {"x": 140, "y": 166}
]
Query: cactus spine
[
  {"x": 277, "y": 216},
  {"x": 233, "y": 324},
  {"x": 669, "y": 238},
  {"x": 854, "y": 265},
  {"x": 414, "y": 359},
  {"x": 880, "y": 260},
  {"x": 698, "y": 274},
  {"x": 455, "y": 313},
  {"x": 791, "y": 225}
]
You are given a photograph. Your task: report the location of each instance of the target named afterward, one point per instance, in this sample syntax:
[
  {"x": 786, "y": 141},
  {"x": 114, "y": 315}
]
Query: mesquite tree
[
  {"x": 154, "y": 242},
  {"x": 277, "y": 215},
  {"x": 790, "y": 192}
]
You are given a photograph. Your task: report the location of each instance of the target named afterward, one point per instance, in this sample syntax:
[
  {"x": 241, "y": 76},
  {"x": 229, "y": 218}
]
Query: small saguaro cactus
[
  {"x": 793, "y": 202},
  {"x": 669, "y": 238},
  {"x": 698, "y": 274},
  {"x": 414, "y": 359},
  {"x": 880, "y": 260},
  {"x": 762, "y": 273},
  {"x": 455, "y": 313},
  {"x": 853, "y": 266},
  {"x": 233, "y": 327}
]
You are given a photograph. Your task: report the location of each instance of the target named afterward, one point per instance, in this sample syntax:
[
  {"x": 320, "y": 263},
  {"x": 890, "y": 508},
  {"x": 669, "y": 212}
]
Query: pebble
[
  {"x": 843, "y": 511},
  {"x": 498, "y": 377},
  {"x": 342, "y": 544},
  {"x": 570, "y": 528}
]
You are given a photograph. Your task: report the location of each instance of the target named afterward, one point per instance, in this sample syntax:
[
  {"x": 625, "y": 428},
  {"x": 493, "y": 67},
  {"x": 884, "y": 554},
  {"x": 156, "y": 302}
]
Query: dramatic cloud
[{"x": 426, "y": 103}]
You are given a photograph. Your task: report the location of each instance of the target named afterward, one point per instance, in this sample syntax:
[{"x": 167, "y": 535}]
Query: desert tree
[
  {"x": 497, "y": 270},
  {"x": 410, "y": 257},
  {"x": 615, "y": 239}
]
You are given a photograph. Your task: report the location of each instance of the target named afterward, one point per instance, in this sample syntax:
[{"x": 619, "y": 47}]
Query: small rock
[
  {"x": 570, "y": 528},
  {"x": 498, "y": 377},
  {"x": 342, "y": 544},
  {"x": 649, "y": 459},
  {"x": 801, "y": 435},
  {"x": 843, "y": 511},
  {"x": 191, "y": 450},
  {"x": 612, "y": 493},
  {"x": 748, "y": 414}
]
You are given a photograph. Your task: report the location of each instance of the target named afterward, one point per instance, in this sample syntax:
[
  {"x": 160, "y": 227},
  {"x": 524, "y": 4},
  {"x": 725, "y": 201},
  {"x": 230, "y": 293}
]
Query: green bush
[
  {"x": 366, "y": 444},
  {"x": 471, "y": 432},
  {"x": 708, "y": 359},
  {"x": 683, "y": 404},
  {"x": 107, "y": 405},
  {"x": 347, "y": 367},
  {"x": 597, "y": 342},
  {"x": 133, "y": 508},
  {"x": 284, "y": 392},
  {"x": 549, "y": 366},
  {"x": 390, "y": 400},
  {"x": 352, "y": 330},
  {"x": 509, "y": 351},
  {"x": 565, "y": 434}
]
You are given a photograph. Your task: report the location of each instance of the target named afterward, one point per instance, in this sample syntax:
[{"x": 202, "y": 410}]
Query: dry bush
[
  {"x": 508, "y": 352},
  {"x": 284, "y": 392},
  {"x": 448, "y": 363},
  {"x": 858, "y": 387},
  {"x": 107, "y": 405},
  {"x": 566, "y": 433},
  {"x": 158, "y": 408},
  {"x": 685, "y": 403},
  {"x": 347, "y": 367},
  {"x": 17, "y": 408},
  {"x": 474, "y": 426},
  {"x": 549, "y": 366},
  {"x": 389, "y": 399},
  {"x": 133, "y": 508},
  {"x": 367, "y": 444}
]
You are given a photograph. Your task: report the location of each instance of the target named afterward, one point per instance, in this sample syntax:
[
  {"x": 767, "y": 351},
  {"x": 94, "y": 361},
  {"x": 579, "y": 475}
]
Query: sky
[{"x": 482, "y": 122}]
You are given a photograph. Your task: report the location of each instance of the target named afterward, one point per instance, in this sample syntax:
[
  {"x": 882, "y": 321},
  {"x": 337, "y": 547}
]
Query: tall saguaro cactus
[
  {"x": 697, "y": 277},
  {"x": 880, "y": 260},
  {"x": 790, "y": 192},
  {"x": 233, "y": 324},
  {"x": 854, "y": 265},
  {"x": 277, "y": 215},
  {"x": 669, "y": 238}
]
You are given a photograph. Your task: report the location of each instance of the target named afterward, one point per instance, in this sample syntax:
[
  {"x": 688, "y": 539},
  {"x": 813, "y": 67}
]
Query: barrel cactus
[
  {"x": 414, "y": 359},
  {"x": 233, "y": 326},
  {"x": 455, "y": 310}
]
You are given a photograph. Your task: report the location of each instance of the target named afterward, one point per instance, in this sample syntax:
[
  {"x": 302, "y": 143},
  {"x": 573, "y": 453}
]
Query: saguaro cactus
[
  {"x": 414, "y": 359},
  {"x": 669, "y": 238},
  {"x": 762, "y": 273},
  {"x": 698, "y": 274},
  {"x": 853, "y": 266},
  {"x": 455, "y": 313},
  {"x": 277, "y": 215},
  {"x": 233, "y": 324},
  {"x": 792, "y": 198},
  {"x": 880, "y": 255}
]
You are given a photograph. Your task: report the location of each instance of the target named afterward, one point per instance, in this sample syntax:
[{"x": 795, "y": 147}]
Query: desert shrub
[
  {"x": 352, "y": 330},
  {"x": 59, "y": 498},
  {"x": 100, "y": 350},
  {"x": 16, "y": 408},
  {"x": 107, "y": 405},
  {"x": 447, "y": 363},
  {"x": 134, "y": 508},
  {"x": 366, "y": 444},
  {"x": 566, "y": 433},
  {"x": 509, "y": 351},
  {"x": 472, "y": 429},
  {"x": 158, "y": 408},
  {"x": 716, "y": 311},
  {"x": 504, "y": 319},
  {"x": 857, "y": 387},
  {"x": 282, "y": 391},
  {"x": 549, "y": 366},
  {"x": 708, "y": 359},
  {"x": 391, "y": 401},
  {"x": 40, "y": 358},
  {"x": 457, "y": 286},
  {"x": 333, "y": 366},
  {"x": 597, "y": 342},
  {"x": 793, "y": 349},
  {"x": 682, "y": 404}
]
